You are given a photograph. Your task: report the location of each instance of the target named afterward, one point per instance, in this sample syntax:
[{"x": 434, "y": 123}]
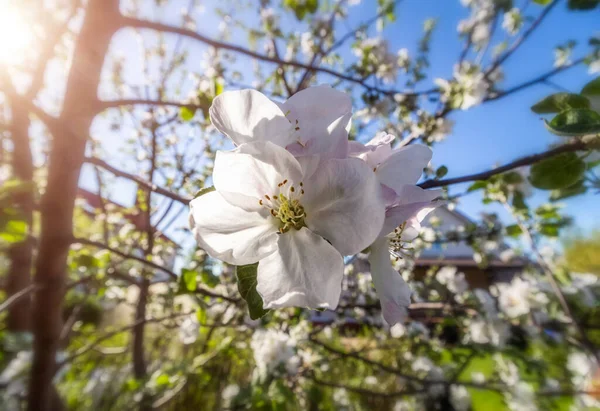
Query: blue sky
[{"x": 494, "y": 133}]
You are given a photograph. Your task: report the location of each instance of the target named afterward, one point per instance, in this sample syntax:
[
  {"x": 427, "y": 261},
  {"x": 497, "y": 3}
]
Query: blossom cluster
[{"x": 296, "y": 195}]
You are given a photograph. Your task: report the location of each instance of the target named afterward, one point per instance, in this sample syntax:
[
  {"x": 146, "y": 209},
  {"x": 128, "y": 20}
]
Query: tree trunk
[
  {"x": 19, "y": 274},
  {"x": 66, "y": 156}
]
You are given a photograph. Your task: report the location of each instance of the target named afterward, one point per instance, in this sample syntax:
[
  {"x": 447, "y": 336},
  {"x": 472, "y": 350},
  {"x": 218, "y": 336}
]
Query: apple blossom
[
  {"x": 397, "y": 170},
  {"x": 295, "y": 220},
  {"x": 313, "y": 121}
]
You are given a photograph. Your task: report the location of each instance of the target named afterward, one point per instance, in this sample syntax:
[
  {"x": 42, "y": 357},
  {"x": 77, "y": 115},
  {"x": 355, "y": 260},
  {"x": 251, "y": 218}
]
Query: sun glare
[{"x": 15, "y": 33}]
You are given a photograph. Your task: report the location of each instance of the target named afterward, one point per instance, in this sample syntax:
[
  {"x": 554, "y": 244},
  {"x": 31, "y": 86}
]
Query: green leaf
[
  {"x": 187, "y": 113},
  {"x": 592, "y": 88},
  {"x": 246, "y": 282},
  {"x": 583, "y": 4},
  {"x": 513, "y": 230},
  {"x": 518, "y": 201},
  {"x": 557, "y": 172},
  {"x": 14, "y": 231},
  {"x": 189, "y": 279},
  {"x": 477, "y": 185},
  {"x": 576, "y": 189},
  {"x": 441, "y": 172},
  {"x": 576, "y": 122},
  {"x": 542, "y": 2},
  {"x": 205, "y": 190},
  {"x": 209, "y": 279},
  {"x": 559, "y": 102}
]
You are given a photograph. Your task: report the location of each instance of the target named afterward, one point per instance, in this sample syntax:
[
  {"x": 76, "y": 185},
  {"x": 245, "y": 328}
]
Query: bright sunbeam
[{"x": 15, "y": 33}]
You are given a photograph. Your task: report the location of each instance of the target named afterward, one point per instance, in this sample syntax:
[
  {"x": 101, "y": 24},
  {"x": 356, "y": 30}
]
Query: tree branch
[
  {"x": 523, "y": 161},
  {"x": 140, "y": 181},
  {"x": 145, "y": 24}
]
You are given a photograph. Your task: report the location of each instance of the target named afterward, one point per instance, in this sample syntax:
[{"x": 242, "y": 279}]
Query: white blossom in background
[
  {"x": 460, "y": 398},
  {"x": 453, "y": 280},
  {"x": 495, "y": 333},
  {"x": 374, "y": 56},
  {"x": 514, "y": 298},
  {"x": 477, "y": 25},
  {"x": 521, "y": 398},
  {"x": 594, "y": 66},
  {"x": 274, "y": 351},
  {"x": 469, "y": 87},
  {"x": 228, "y": 394},
  {"x": 584, "y": 284},
  {"x": 478, "y": 377},
  {"x": 188, "y": 330},
  {"x": 584, "y": 370},
  {"x": 512, "y": 22}
]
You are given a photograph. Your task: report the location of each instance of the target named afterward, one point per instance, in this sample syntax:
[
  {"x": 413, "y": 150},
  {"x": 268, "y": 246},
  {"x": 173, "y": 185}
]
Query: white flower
[
  {"x": 521, "y": 398},
  {"x": 513, "y": 298},
  {"x": 188, "y": 330},
  {"x": 455, "y": 282},
  {"x": 494, "y": 332},
  {"x": 397, "y": 170},
  {"x": 313, "y": 121},
  {"x": 229, "y": 393},
  {"x": 397, "y": 330},
  {"x": 478, "y": 377},
  {"x": 512, "y": 21},
  {"x": 294, "y": 218},
  {"x": 375, "y": 56},
  {"x": 460, "y": 398},
  {"x": 273, "y": 350},
  {"x": 594, "y": 66}
]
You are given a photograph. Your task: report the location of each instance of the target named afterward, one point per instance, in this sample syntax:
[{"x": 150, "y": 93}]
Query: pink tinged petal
[
  {"x": 247, "y": 115},
  {"x": 344, "y": 204},
  {"x": 255, "y": 169},
  {"x": 404, "y": 166},
  {"x": 355, "y": 149},
  {"x": 305, "y": 271},
  {"x": 230, "y": 233},
  {"x": 380, "y": 139},
  {"x": 331, "y": 141},
  {"x": 412, "y": 203},
  {"x": 323, "y": 117},
  {"x": 392, "y": 290}
]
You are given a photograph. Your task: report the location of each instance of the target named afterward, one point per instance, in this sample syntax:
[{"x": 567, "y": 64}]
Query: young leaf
[
  {"x": 576, "y": 189},
  {"x": 205, "y": 190},
  {"x": 592, "y": 88},
  {"x": 188, "y": 278},
  {"x": 246, "y": 282},
  {"x": 513, "y": 230},
  {"x": 575, "y": 122},
  {"x": 187, "y": 113},
  {"x": 477, "y": 185},
  {"x": 557, "y": 172},
  {"x": 559, "y": 102},
  {"x": 583, "y": 4},
  {"x": 441, "y": 172},
  {"x": 542, "y": 2}
]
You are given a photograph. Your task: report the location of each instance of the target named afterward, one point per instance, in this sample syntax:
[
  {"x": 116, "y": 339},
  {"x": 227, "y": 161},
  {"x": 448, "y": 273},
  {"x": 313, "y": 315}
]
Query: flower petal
[
  {"x": 230, "y": 233},
  {"x": 404, "y": 166},
  {"x": 412, "y": 203},
  {"x": 305, "y": 271},
  {"x": 344, "y": 204},
  {"x": 323, "y": 117},
  {"x": 255, "y": 169},
  {"x": 392, "y": 290},
  {"x": 248, "y": 115}
]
